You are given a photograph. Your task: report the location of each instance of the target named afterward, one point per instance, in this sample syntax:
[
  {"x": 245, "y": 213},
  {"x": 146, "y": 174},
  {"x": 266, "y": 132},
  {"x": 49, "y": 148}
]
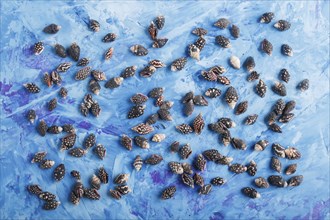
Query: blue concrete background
[{"x": 21, "y": 26}]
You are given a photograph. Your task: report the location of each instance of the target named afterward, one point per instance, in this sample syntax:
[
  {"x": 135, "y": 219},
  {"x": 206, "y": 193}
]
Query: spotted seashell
[
  {"x": 200, "y": 100},
  {"x": 223, "y": 41},
  {"x": 52, "y": 104},
  {"x": 279, "y": 88},
  {"x": 83, "y": 62},
  {"x": 159, "y": 101},
  {"x": 303, "y": 85},
  {"x": 184, "y": 128},
  {"x": 92, "y": 194},
  {"x": 261, "y": 182},
  {"x": 198, "y": 179},
  {"x": 148, "y": 71},
  {"x": 229, "y": 123},
  {"x": 285, "y": 118},
  {"x": 68, "y": 141},
  {"x": 139, "y": 50},
  {"x": 95, "y": 109},
  {"x": 252, "y": 168},
  {"x": 63, "y": 67},
  {"x": 295, "y": 180},
  {"x": 77, "y": 152},
  {"x": 31, "y": 87},
  {"x": 47, "y": 196},
  {"x": 189, "y": 107},
  {"x": 46, "y": 164},
  {"x": 291, "y": 169},
  {"x": 109, "y": 37},
  {"x": 157, "y": 63},
  {"x": 63, "y": 92},
  {"x": 94, "y": 86},
  {"x": 60, "y": 50},
  {"x": 209, "y": 76},
  {"x": 168, "y": 192},
  {"x": 261, "y": 145},
  {"x": 154, "y": 159},
  {"x": 59, "y": 172},
  {"x": 292, "y": 153},
  {"x": 152, "y": 119},
  {"x": 47, "y": 79},
  {"x": 174, "y": 147},
  {"x": 143, "y": 128},
  {"x": 212, "y": 92},
  {"x": 253, "y": 76},
  {"x": 153, "y": 31},
  {"x": 38, "y": 157},
  {"x": 38, "y": 48},
  {"x": 235, "y": 31},
  {"x": 114, "y": 82},
  {"x": 159, "y": 42},
  {"x": 135, "y": 111},
  {"x": 194, "y": 51},
  {"x": 218, "y": 127},
  {"x": 83, "y": 73},
  {"x": 51, "y": 205},
  {"x": 261, "y": 88},
  {"x": 237, "y": 168},
  {"x": 284, "y": 75},
  {"x": 206, "y": 189},
  {"x": 115, "y": 194},
  {"x": 128, "y": 72},
  {"x": 282, "y": 25},
  {"x": 241, "y": 108},
  {"x": 231, "y": 97},
  {"x": 108, "y": 53},
  {"x": 121, "y": 178},
  {"x": 267, "y": 17},
  {"x": 187, "y": 180},
  {"x": 238, "y": 144},
  {"x": 185, "y": 151},
  {"x": 74, "y": 199},
  {"x": 249, "y": 64},
  {"x": 266, "y": 47},
  {"x": 160, "y": 22},
  {"x": 200, "y": 43},
  {"x": 42, "y": 128},
  {"x": 141, "y": 142},
  {"x": 274, "y": 127},
  {"x": 251, "y": 119},
  {"x": 223, "y": 80},
  {"x": 218, "y": 181},
  {"x": 100, "y": 151},
  {"x": 286, "y": 50},
  {"x": 75, "y": 174},
  {"x": 198, "y": 124},
  {"x": 31, "y": 116},
  {"x": 95, "y": 182},
  {"x": 226, "y": 138},
  {"x": 276, "y": 180},
  {"x": 200, "y": 162},
  {"x": 251, "y": 192},
  {"x": 278, "y": 150},
  {"x": 235, "y": 62},
  {"x": 123, "y": 189},
  {"x": 89, "y": 141},
  {"x": 139, "y": 98},
  {"x": 94, "y": 25},
  {"x": 279, "y": 107},
  {"x": 158, "y": 138},
  {"x": 78, "y": 189},
  {"x": 178, "y": 64},
  {"x": 289, "y": 107},
  {"x": 74, "y": 51},
  {"x": 34, "y": 189},
  {"x": 165, "y": 115},
  {"x": 126, "y": 142},
  {"x": 156, "y": 92},
  {"x": 199, "y": 31},
  {"x": 224, "y": 160},
  {"x": 98, "y": 75},
  {"x": 212, "y": 154},
  {"x": 222, "y": 23},
  {"x": 54, "y": 129},
  {"x": 138, "y": 162},
  {"x": 176, "y": 167}
]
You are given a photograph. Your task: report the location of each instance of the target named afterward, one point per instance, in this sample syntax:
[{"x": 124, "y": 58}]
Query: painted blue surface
[{"x": 21, "y": 26}]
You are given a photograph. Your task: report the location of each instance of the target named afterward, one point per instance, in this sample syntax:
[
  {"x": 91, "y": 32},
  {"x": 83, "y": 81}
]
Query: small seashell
[
  {"x": 60, "y": 50},
  {"x": 198, "y": 124},
  {"x": 235, "y": 31},
  {"x": 108, "y": 54},
  {"x": 75, "y": 174},
  {"x": 252, "y": 168},
  {"x": 286, "y": 118},
  {"x": 160, "y": 22},
  {"x": 212, "y": 92},
  {"x": 121, "y": 178},
  {"x": 109, "y": 37},
  {"x": 261, "y": 88},
  {"x": 272, "y": 116},
  {"x": 303, "y": 85},
  {"x": 241, "y": 107},
  {"x": 194, "y": 51},
  {"x": 59, "y": 172},
  {"x": 152, "y": 119},
  {"x": 189, "y": 107},
  {"x": 217, "y": 70},
  {"x": 94, "y": 86},
  {"x": 279, "y": 107},
  {"x": 249, "y": 64},
  {"x": 115, "y": 194},
  {"x": 77, "y": 152},
  {"x": 63, "y": 67},
  {"x": 139, "y": 98},
  {"x": 231, "y": 97},
  {"x": 174, "y": 147},
  {"x": 159, "y": 42},
  {"x": 52, "y": 29},
  {"x": 88, "y": 100},
  {"x": 83, "y": 73},
  {"x": 139, "y": 50},
  {"x": 178, "y": 64},
  {"x": 176, "y": 167},
  {"x": 95, "y": 182},
  {"x": 187, "y": 168},
  {"x": 78, "y": 189},
  {"x": 89, "y": 141},
  {"x": 92, "y": 194},
  {"x": 38, "y": 157},
  {"x": 218, "y": 127},
  {"x": 168, "y": 192},
  {"x": 154, "y": 159},
  {"x": 52, "y": 104},
  {"x": 166, "y": 105},
  {"x": 38, "y": 48},
  {"x": 51, "y": 205},
  {"x": 199, "y": 32},
  {"x": 32, "y": 88},
  {"x": 114, "y": 82},
  {"x": 251, "y": 119},
  {"x": 278, "y": 150},
  {"x": 253, "y": 76},
  {"x": 238, "y": 144},
  {"x": 47, "y": 79},
  {"x": 152, "y": 30},
  {"x": 279, "y": 88},
  {"x": 223, "y": 41},
  {"x": 292, "y": 153},
  {"x": 98, "y": 75},
  {"x": 206, "y": 189},
  {"x": 185, "y": 151},
  {"x": 237, "y": 168},
  {"x": 291, "y": 169},
  {"x": 286, "y": 50},
  {"x": 156, "y": 92},
  {"x": 224, "y": 160},
  {"x": 47, "y": 196},
  {"x": 138, "y": 162},
  {"x": 63, "y": 92},
  {"x": 159, "y": 101},
  {"x": 200, "y": 100},
  {"x": 46, "y": 164},
  {"x": 74, "y": 199},
  {"x": 147, "y": 71},
  {"x": 289, "y": 107},
  {"x": 285, "y": 75},
  {"x": 165, "y": 115},
  {"x": 184, "y": 128},
  {"x": 83, "y": 62},
  {"x": 126, "y": 142},
  {"x": 198, "y": 179},
  {"x": 267, "y": 17},
  {"x": 266, "y": 47},
  {"x": 187, "y": 97},
  {"x": 222, "y": 23},
  {"x": 143, "y": 128},
  {"x": 54, "y": 129},
  {"x": 212, "y": 155},
  {"x": 34, "y": 189},
  {"x": 225, "y": 138},
  {"x": 282, "y": 25},
  {"x": 251, "y": 192},
  {"x": 218, "y": 181},
  {"x": 261, "y": 145},
  {"x": 95, "y": 109},
  {"x": 209, "y": 76},
  {"x": 295, "y": 180},
  {"x": 274, "y": 127},
  {"x": 200, "y": 43},
  {"x": 56, "y": 78},
  {"x": 100, "y": 151},
  {"x": 128, "y": 72},
  {"x": 187, "y": 180},
  {"x": 223, "y": 80},
  {"x": 94, "y": 25},
  {"x": 123, "y": 189},
  {"x": 135, "y": 111},
  {"x": 157, "y": 63},
  {"x": 74, "y": 51},
  {"x": 200, "y": 162},
  {"x": 31, "y": 116},
  {"x": 275, "y": 164},
  {"x": 68, "y": 141},
  {"x": 158, "y": 138},
  {"x": 276, "y": 180},
  {"x": 261, "y": 182}
]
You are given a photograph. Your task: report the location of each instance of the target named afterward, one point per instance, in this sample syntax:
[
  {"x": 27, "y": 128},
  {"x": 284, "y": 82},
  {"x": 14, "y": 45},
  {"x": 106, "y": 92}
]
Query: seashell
[
  {"x": 139, "y": 98},
  {"x": 272, "y": 116},
  {"x": 159, "y": 101},
  {"x": 114, "y": 82},
  {"x": 292, "y": 153},
  {"x": 38, "y": 157},
  {"x": 174, "y": 147},
  {"x": 38, "y": 48},
  {"x": 227, "y": 122},
  {"x": 168, "y": 192},
  {"x": 31, "y": 87},
  {"x": 63, "y": 67},
  {"x": 261, "y": 182},
  {"x": 187, "y": 97},
  {"x": 222, "y": 41},
  {"x": 291, "y": 169},
  {"x": 218, "y": 127},
  {"x": 198, "y": 179},
  {"x": 276, "y": 180},
  {"x": 165, "y": 115},
  {"x": 59, "y": 172},
  {"x": 98, "y": 75},
  {"x": 218, "y": 181},
  {"x": 110, "y": 37},
  {"x": 52, "y": 29},
  {"x": 185, "y": 151},
  {"x": 226, "y": 138},
  {"x": 157, "y": 63},
  {"x": 42, "y": 128},
  {"x": 286, "y": 118},
  {"x": 261, "y": 88},
  {"x": 47, "y": 79},
  {"x": 251, "y": 192},
  {"x": 95, "y": 182},
  {"x": 138, "y": 162},
  {"x": 198, "y": 124},
  {"x": 235, "y": 62},
  {"x": 75, "y": 174},
  {"x": 184, "y": 128},
  {"x": 200, "y": 162},
  {"x": 121, "y": 179},
  {"x": 238, "y": 144},
  {"x": 56, "y": 78},
  {"x": 78, "y": 189},
  {"x": 92, "y": 194},
  {"x": 231, "y": 97},
  {"x": 74, "y": 199},
  {"x": 108, "y": 54},
  {"x": 74, "y": 51},
  {"x": 223, "y": 80},
  {"x": 274, "y": 127},
  {"x": 178, "y": 64},
  {"x": 252, "y": 168},
  {"x": 212, "y": 92},
  {"x": 152, "y": 119},
  {"x": 52, "y": 104},
  {"x": 235, "y": 31},
  {"x": 63, "y": 92},
  {"x": 289, "y": 107},
  {"x": 212, "y": 155},
  {"x": 282, "y": 25},
  {"x": 286, "y": 50},
  {"x": 60, "y": 50},
  {"x": 83, "y": 62},
  {"x": 251, "y": 119},
  {"x": 154, "y": 159},
  {"x": 217, "y": 70},
  {"x": 303, "y": 85},
  {"x": 126, "y": 142},
  {"x": 135, "y": 111},
  {"x": 199, "y": 32},
  {"x": 295, "y": 180},
  {"x": 237, "y": 168},
  {"x": 94, "y": 25},
  {"x": 83, "y": 73},
  {"x": 68, "y": 141},
  {"x": 31, "y": 116},
  {"x": 100, "y": 151},
  {"x": 128, "y": 72},
  {"x": 160, "y": 22},
  {"x": 139, "y": 50},
  {"x": 249, "y": 64},
  {"x": 279, "y": 107},
  {"x": 222, "y": 23},
  {"x": 115, "y": 194},
  {"x": 275, "y": 164},
  {"x": 89, "y": 141},
  {"x": 143, "y": 128},
  {"x": 77, "y": 152},
  {"x": 94, "y": 86},
  {"x": 148, "y": 71},
  {"x": 209, "y": 76},
  {"x": 261, "y": 145},
  {"x": 166, "y": 105},
  {"x": 206, "y": 189},
  {"x": 187, "y": 180},
  {"x": 34, "y": 189},
  {"x": 267, "y": 17},
  {"x": 224, "y": 160},
  {"x": 158, "y": 138},
  {"x": 187, "y": 168},
  {"x": 141, "y": 142},
  {"x": 285, "y": 75},
  {"x": 46, "y": 164},
  {"x": 189, "y": 107},
  {"x": 241, "y": 107},
  {"x": 156, "y": 92},
  {"x": 200, "y": 43},
  {"x": 159, "y": 42},
  {"x": 95, "y": 109},
  {"x": 153, "y": 31},
  {"x": 194, "y": 51},
  {"x": 176, "y": 167},
  {"x": 47, "y": 196},
  {"x": 279, "y": 88},
  {"x": 200, "y": 100},
  {"x": 266, "y": 47},
  {"x": 278, "y": 150},
  {"x": 253, "y": 76},
  {"x": 51, "y": 205}
]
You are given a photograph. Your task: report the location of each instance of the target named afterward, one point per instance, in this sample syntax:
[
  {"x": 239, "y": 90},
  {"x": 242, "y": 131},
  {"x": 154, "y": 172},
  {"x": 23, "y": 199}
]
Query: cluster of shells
[{"x": 190, "y": 174}]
